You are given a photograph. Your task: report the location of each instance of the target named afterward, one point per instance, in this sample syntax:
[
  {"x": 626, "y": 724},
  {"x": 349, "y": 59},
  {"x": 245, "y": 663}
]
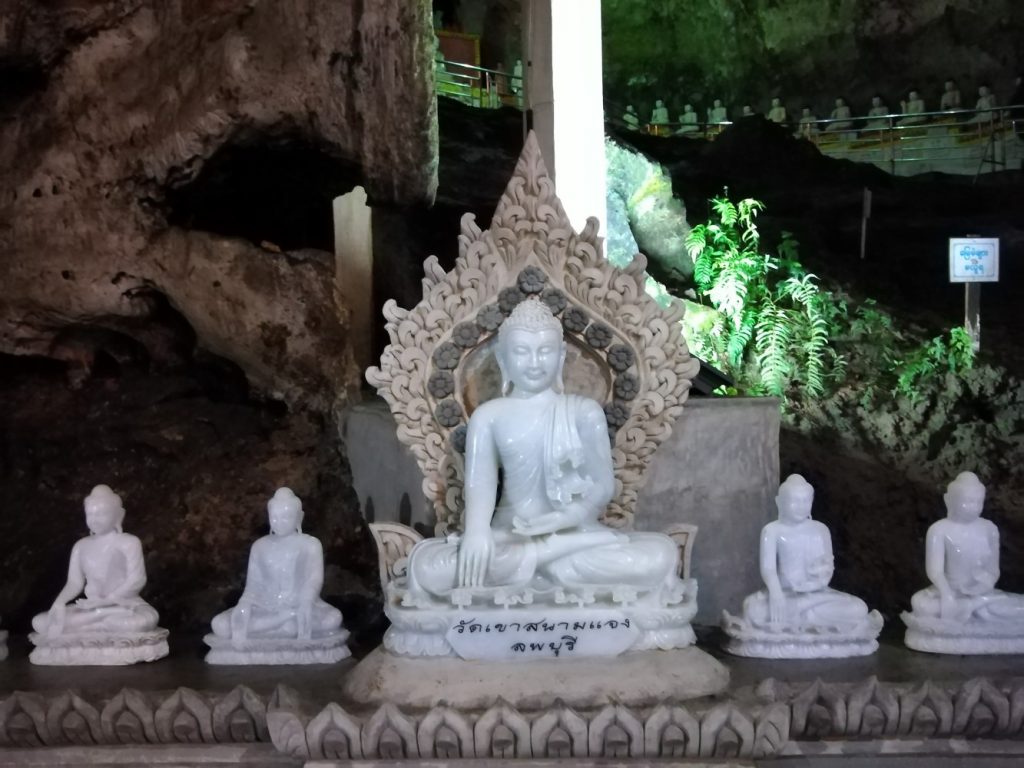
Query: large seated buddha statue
[
  {"x": 533, "y": 382},
  {"x": 797, "y": 615},
  {"x": 111, "y": 624},
  {"x": 961, "y": 611},
  {"x": 280, "y": 617},
  {"x": 540, "y": 536}
]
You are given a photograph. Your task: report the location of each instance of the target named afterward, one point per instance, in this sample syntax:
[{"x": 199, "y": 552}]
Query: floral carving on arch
[{"x": 633, "y": 347}]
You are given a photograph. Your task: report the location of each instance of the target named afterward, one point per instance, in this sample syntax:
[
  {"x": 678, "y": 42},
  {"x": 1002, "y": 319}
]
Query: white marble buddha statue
[
  {"x": 807, "y": 125},
  {"x": 551, "y": 450},
  {"x": 878, "y": 111},
  {"x": 688, "y": 120},
  {"x": 797, "y": 614},
  {"x": 841, "y": 114},
  {"x": 718, "y": 113},
  {"x": 962, "y": 611},
  {"x": 280, "y": 617},
  {"x": 631, "y": 119},
  {"x": 986, "y": 101},
  {"x": 912, "y": 108},
  {"x": 777, "y": 114},
  {"x": 950, "y": 96},
  {"x": 659, "y": 115},
  {"x": 111, "y": 624}
]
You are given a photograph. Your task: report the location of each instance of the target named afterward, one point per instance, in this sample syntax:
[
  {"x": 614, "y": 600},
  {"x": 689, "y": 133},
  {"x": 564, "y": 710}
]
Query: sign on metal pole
[{"x": 973, "y": 260}]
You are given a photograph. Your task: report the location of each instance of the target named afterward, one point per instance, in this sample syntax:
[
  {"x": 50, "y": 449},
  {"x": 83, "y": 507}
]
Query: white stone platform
[
  {"x": 643, "y": 678},
  {"x": 100, "y": 649},
  {"x": 328, "y": 649},
  {"x": 973, "y": 638}
]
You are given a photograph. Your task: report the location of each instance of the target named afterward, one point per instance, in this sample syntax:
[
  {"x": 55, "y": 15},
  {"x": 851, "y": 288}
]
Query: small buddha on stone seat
[
  {"x": 962, "y": 612},
  {"x": 950, "y": 96},
  {"x": 688, "y": 120},
  {"x": 777, "y": 114},
  {"x": 912, "y": 108},
  {"x": 718, "y": 113},
  {"x": 111, "y": 624},
  {"x": 797, "y": 614},
  {"x": 878, "y": 111},
  {"x": 985, "y": 104},
  {"x": 280, "y": 617},
  {"x": 659, "y": 115},
  {"x": 841, "y": 114}
]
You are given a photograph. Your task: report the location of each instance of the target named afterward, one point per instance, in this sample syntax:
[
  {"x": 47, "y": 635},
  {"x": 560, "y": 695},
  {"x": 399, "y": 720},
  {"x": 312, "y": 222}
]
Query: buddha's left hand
[{"x": 548, "y": 523}]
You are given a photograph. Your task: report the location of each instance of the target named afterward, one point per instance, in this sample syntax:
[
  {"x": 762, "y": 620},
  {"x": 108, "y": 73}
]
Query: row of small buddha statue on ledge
[
  {"x": 281, "y": 618},
  {"x": 912, "y": 109}
]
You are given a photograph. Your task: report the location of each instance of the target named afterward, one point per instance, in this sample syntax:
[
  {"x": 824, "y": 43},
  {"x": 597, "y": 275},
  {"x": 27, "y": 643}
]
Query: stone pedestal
[
  {"x": 327, "y": 649},
  {"x": 720, "y": 471},
  {"x": 99, "y": 649},
  {"x": 644, "y": 678}
]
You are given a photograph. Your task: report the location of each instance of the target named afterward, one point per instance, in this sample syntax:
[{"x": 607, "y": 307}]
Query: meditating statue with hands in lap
[
  {"x": 112, "y": 624},
  {"x": 543, "y": 535},
  {"x": 798, "y": 615},
  {"x": 962, "y": 611},
  {"x": 280, "y": 618}
]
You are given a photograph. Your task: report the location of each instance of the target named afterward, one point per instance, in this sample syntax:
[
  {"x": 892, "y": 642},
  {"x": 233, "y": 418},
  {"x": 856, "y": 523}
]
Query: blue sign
[{"x": 973, "y": 259}]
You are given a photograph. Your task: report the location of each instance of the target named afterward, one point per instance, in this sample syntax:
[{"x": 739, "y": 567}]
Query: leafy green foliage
[
  {"x": 939, "y": 356},
  {"x": 774, "y": 329}
]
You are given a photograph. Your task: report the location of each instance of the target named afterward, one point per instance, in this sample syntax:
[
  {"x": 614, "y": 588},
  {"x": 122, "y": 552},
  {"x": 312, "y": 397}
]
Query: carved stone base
[
  {"x": 973, "y": 638},
  {"x": 98, "y": 649},
  {"x": 535, "y": 630},
  {"x": 643, "y": 678},
  {"x": 329, "y": 649},
  {"x": 805, "y": 643}
]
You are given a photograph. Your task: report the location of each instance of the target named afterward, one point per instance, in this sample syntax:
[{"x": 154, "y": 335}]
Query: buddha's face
[
  {"x": 983, "y": 91},
  {"x": 102, "y": 515},
  {"x": 531, "y": 360},
  {"x": 876, "y": 101},
  {"x": 775, "y": 102},
  {"x": 913, "y": 95},
  {"x": 284, "y": 518},
  {"x": 718, "y": 103},
  {"x": 794, "y": 506},
  {"x": 839, "y": 102},
  {"x": 949, "y": 85},
  {"x": 964, "y": 504}
]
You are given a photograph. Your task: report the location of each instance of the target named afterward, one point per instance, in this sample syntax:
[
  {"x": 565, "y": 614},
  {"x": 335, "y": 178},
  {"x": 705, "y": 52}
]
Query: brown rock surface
[{"x": 109, "y": 107}]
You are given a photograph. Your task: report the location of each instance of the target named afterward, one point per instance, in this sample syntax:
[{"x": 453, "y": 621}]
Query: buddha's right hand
[
  {"x": 475, "y": 550},
  {"x": 55, "y": 620},
  {"x": 776, "y": 608}
]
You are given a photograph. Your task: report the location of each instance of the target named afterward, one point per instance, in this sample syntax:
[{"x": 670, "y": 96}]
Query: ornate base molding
[
  {"x": 635, "y": 679},
  {"x": 962, "y": 645},
  {"x": 98, "y": 649},
  {"x": 278, "y": 651},
  {"x": 802, "y": 643}
]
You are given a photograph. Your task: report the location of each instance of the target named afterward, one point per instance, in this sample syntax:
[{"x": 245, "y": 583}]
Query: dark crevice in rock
[
  {"x": 273, "y": 188},
  {"x": 19, "y": 79}
]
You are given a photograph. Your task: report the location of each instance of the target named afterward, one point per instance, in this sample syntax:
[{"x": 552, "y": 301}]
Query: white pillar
[
  {"x": 564, "y": 90},
  {"x": 353, "y": 260}
]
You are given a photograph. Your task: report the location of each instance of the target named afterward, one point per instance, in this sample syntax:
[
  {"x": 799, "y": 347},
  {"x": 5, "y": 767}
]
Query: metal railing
[
  {"x": 965, "y": 141},
  {"x": 478, "y": 86}
]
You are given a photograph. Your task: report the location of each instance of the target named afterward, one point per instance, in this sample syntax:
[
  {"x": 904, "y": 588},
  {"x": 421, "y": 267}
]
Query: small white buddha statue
[
  {"x": 718, "y": 113},
  {"x": 659, "y": 115},
  {"x": 878, "y": 111},
  {"x": 631, "y": 119},
  {"x": 950, "y": 96},
  {"x": 986, "y": 101},
  {"x": 777, "y": 114},
  {"x": 797, "y": 615},
  {"x": 112, "y": 624},
  {"x": 280, "y": 618},
  {"x": 912, "y": 108},
  {"x": 841, "y": 114},
  {"x": 517, "y": 76},
  {"x": 962, "y": 612},
  {"x": 688, "y": 120},
  {"x": 747, "y": 111},
  {"x": 807, "y": 126},
  {"x": 541, "y": 542}
]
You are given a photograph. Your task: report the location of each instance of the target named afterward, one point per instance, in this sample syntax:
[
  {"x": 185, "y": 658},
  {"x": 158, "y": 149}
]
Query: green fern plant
[{"x": 776, "y": 320}]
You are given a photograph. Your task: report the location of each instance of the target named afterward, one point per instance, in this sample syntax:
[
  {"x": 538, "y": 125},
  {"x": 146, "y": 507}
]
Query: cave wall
[
  {"x": 807, "y": 51},
  {"x": 119, "y": 105}
]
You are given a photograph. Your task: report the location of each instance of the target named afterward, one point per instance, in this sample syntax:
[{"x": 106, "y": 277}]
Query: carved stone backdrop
[{"x": 625, "y": 349}]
